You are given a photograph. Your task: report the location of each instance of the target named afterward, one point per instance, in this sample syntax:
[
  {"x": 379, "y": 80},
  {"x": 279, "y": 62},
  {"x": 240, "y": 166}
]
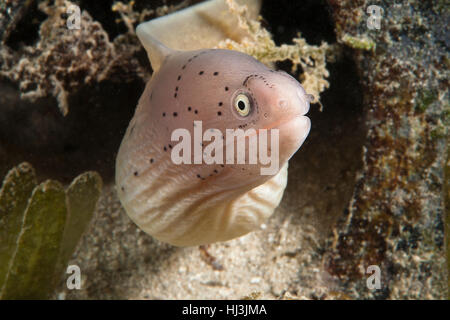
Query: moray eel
[{"x": 203, "y": 93}]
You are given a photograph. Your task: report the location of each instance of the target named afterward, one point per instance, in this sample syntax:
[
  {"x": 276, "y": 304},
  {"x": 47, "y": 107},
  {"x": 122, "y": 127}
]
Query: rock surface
[{"x": 396, "y": 215}]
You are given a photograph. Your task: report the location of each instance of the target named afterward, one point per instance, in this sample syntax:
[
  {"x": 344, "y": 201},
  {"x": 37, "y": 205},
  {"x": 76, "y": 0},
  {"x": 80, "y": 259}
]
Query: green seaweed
[
  {"x": 31, "y": 271},
  {"x": 17, "y": 188},
  {"x": 359, "y": 43},
  {"x": 82, "y": 196},
  {"x": 40, "y": 227},
  {"x": 424, "y": 99}
]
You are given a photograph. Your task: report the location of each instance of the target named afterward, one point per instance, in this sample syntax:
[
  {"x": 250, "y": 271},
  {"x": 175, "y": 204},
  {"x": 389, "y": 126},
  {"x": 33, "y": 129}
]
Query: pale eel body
[{"x": 194, "y": 204}]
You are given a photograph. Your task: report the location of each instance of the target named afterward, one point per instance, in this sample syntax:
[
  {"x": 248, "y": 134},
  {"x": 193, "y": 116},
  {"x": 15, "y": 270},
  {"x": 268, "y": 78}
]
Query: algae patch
[
  {"x": 40, "y": 226},
  {"x": 359, "y": 43}
]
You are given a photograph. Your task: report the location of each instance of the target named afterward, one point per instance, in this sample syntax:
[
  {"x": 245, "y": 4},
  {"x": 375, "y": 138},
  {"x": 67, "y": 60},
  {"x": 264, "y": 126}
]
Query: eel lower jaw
[
  {"x": 301, "y": 121},
  {"x": 292, "y": 134}
]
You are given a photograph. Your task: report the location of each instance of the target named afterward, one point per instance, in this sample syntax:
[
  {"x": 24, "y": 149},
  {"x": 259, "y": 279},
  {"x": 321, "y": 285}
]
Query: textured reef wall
[
  {"x": 396, "y": 216},
  {"x": 366, "y": 188}
]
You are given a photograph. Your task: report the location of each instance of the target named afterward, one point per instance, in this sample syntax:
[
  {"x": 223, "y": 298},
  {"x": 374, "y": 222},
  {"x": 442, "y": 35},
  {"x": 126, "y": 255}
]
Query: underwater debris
[
  {"x": 252, "y": 296},
  {"x": 210, "y": 259},
  {"x": 40, "y": 226}
]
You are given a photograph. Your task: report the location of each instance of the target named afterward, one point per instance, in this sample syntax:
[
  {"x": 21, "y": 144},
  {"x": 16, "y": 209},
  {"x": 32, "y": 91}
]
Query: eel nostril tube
[
  {"x": 310, "y": 98},
  {"x": 304, "y": 98},
  {"x": 283, "y": 103}
]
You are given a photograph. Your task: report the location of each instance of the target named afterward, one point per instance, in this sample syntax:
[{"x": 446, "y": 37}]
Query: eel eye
[{"x": 242, "y": 104}]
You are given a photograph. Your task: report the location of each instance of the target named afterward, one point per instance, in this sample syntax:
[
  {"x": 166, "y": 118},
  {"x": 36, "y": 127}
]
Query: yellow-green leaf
[
  {"x": 31, "y": 273},
  {"x": 17, "y": 187}
]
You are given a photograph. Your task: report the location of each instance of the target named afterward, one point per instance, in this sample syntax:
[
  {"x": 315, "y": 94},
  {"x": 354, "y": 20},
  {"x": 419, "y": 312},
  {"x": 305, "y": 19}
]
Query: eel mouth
[
  {"x": 279, "y": 124},
  {"x": 298, "y": 124},
  {"x": 295, "y": 130},
  {"x": 301, "y": 120}
]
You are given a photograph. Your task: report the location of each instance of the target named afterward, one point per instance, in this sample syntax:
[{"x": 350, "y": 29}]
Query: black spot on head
[
  {"x": 195, "y": 111},
  {"x": 220, "y": 104},
  {"x": 198, "y": 176},
  {"x": 165, "y": 149},
  {"x": 175, "y": 114},
  {"x": 200, "y": 73},
  {"x": 136, "y": 173},
  {"x": 170, "y": 146},
  {"x": 219, "y": 113},
  {"x": 215, "y": 171},
  {"x": 226, "y": 88},
  {"x": 189, "y": 108},
  {"x": 175, "y": 95},
  {"x": 123, "y": 189},
  {"x": 184, "y": 67},
  {"x": 222, "y": 165},
  {"x": 152, "y": 160},
  {"x": 216, "y": 73},
  {"x": 176, "y": 88},
  {"x": 179, "y": 78},
  {"x": 164, "y": 114}
]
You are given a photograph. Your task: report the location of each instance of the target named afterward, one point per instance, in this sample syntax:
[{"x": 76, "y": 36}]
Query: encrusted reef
[
  {"x": 61, "y": 62},
  {"x": 396, "y": 216},
  {"x": 366, "y": 188}
]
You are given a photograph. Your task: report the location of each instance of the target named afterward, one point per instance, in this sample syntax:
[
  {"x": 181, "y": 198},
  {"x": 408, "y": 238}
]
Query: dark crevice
[
  {"x": 285, "y": 18},
  {"x": 101, "y": 12},
  {"x": 111, "y": 21},
  {"x": 332, "y": 154},
  {"x": 26, "y": 29},
  {"x": 62, "y": 147}
]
